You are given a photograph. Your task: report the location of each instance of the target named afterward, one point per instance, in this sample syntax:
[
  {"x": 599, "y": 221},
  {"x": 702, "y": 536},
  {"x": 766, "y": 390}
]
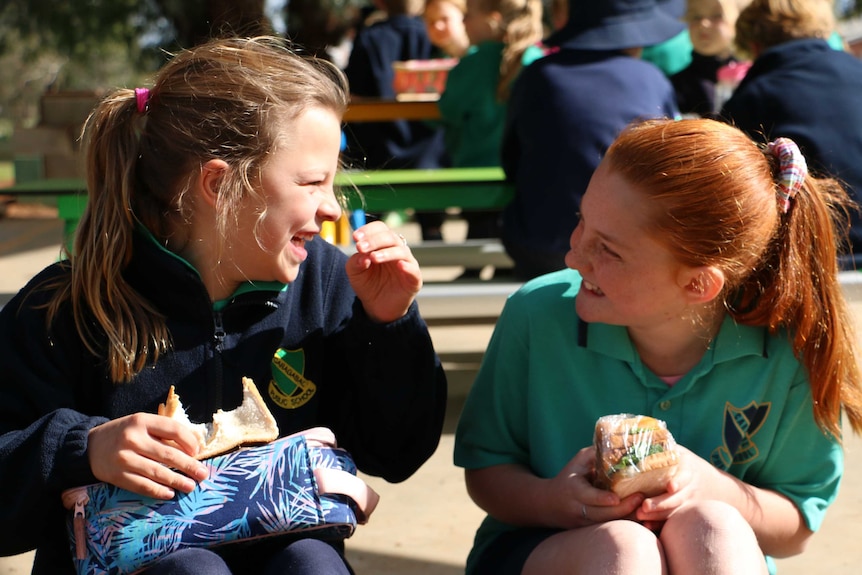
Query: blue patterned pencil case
[{"x": 299, "y": 485}]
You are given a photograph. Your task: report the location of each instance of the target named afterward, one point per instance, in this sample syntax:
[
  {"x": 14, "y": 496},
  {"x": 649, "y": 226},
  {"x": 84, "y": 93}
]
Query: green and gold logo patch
[{"x": 288, "y": 387}]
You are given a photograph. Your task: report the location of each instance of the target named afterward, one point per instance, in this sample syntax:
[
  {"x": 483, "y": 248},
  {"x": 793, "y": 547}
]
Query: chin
[{"x": 588, "y": 312}]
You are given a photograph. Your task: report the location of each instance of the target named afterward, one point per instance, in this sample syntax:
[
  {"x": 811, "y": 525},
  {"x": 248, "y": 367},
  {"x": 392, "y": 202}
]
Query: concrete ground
[{"x": 425, "y": 525}]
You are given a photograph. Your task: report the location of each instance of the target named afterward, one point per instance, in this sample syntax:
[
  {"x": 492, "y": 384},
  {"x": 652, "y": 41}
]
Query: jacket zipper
[{"x": 218, "y": 344}]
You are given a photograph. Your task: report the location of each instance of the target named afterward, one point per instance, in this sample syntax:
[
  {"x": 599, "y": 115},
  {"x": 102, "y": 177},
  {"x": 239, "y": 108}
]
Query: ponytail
[
  {"x": 522, "y": 22},
  {"x": 102, "y": 302},
  {"x": 797, "y": 287}
]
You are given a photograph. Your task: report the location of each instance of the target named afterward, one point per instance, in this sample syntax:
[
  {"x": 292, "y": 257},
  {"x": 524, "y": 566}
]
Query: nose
[
  {"x": 574, "y": 257},
  {"x": 329, "y": 209}
]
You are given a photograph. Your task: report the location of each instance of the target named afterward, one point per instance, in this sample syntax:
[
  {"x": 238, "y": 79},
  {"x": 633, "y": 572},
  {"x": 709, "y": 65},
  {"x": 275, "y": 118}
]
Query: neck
[
  {"x": 674, "y": 349},
  {"x": 198, "y": 251}
]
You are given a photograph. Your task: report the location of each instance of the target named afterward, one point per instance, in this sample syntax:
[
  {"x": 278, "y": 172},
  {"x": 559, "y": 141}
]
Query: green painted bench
[{"x": 372, "y": 191}]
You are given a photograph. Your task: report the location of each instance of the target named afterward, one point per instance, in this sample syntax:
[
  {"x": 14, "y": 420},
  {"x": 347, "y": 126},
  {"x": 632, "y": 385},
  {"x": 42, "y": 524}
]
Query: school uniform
[
  {"x": 547, "y": 376},
  {"x": 564, "y": 112},
  {"x": 695, "y": 85},
  {"x": 397, "y": 144},
  {"x": 809, "y": 92},
  {"x": 315, "y": 356}
]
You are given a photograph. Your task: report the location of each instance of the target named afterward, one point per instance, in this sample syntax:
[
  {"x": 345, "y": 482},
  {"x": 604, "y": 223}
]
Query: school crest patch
[
  {"x": 741, "y": 424},
  {"x": 288, "y": 387}
]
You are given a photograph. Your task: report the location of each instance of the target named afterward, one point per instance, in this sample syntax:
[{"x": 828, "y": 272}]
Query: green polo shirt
[
  {"x": 472, "y": 116},
  {"x": 547, "y": 376}
]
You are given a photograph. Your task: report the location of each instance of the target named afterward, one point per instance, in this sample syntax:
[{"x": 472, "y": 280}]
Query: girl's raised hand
[
  {"x": 383, "y": 272},
  {"x": 140, "y": 452}
]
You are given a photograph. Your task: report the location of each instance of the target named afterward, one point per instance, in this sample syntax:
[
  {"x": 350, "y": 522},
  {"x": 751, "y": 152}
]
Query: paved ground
[{"x": 425, "y": 525}]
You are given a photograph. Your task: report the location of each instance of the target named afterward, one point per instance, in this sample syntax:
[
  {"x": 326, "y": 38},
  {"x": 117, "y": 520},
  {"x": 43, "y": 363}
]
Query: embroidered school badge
[
  {"x": 740, "y": 427},
  {"x": 288, "y": 387}
]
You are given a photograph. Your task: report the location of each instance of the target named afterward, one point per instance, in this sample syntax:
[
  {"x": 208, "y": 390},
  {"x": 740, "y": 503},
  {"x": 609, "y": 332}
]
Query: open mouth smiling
[{"x": 592, "y": 288}]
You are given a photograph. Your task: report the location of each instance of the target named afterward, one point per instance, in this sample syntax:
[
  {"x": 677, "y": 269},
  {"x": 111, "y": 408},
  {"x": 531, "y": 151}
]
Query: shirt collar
[
  {"x": 245, "y": 287},
  {"x": 733, "y": 341}
]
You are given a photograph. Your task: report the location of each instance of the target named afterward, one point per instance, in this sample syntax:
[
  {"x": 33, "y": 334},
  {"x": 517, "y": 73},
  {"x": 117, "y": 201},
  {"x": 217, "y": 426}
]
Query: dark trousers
[{"x": 302, "y": 557}]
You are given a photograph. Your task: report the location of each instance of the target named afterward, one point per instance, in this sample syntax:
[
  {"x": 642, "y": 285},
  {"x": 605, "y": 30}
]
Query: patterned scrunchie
[{"x": 792, "y": 170}]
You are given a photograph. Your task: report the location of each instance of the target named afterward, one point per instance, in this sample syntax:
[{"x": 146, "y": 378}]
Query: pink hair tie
[
  {"x": 792, "y": 170},
  {"x": 142, "y": 97}
]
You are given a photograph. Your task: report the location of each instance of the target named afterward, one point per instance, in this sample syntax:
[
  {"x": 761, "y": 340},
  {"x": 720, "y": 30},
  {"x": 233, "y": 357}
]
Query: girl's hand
[
  {"x": 693, "y": 481},
  {"x": 383, "y": 272},
  {"x": 581, "y": 502},
  {"x": 139, "y": 452}
]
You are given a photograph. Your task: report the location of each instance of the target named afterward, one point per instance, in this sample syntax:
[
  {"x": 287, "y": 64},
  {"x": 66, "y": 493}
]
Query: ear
[
  {"x": 495, "y": 20},
  {"x": 702, "y": 284},
  {"x": 209, "y": 180}
]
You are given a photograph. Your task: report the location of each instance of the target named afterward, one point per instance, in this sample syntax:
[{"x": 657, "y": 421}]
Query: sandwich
[
  {"x": 634, "y": 453},
  {"x": 251, "y": 422}
]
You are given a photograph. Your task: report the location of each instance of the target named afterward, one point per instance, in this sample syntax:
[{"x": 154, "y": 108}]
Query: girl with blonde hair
[{"x": 198, "y": 262}]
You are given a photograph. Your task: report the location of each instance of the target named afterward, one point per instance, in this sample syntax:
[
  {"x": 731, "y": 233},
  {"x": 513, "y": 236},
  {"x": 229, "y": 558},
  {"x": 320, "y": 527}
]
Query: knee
[
  {"x": 626, "y": 547},
  {"x": 190, "y": 562},
  {"x": 706, "y": 519},
  {"x": 709, "y": 533},
  {"x": 308, "y": 556},
  {"x": 627, "y": 537},
  {"x": 614, "y": 547}
]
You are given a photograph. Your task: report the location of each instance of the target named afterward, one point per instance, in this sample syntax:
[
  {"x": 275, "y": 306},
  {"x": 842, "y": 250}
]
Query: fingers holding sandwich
[
  {"x": 156, "y": 455},
  {"x": 695, "y": 479},
  {"x": 146, "y": 454},
  {"x": 579, "y": 502}
]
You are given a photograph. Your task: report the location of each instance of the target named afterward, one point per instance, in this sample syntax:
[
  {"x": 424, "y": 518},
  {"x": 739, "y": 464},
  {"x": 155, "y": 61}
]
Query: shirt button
[{"x": 664, "y": 405}]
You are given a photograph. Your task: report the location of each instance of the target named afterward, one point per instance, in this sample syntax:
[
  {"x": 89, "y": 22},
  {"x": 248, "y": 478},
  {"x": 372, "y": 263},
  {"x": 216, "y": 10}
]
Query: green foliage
[
  {"x": 93, "y": 44},
  {"x": 75, "y": 27}
]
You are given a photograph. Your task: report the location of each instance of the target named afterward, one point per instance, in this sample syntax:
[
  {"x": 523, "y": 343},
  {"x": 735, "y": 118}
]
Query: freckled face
[
  {"x": 629, "y": 278},
  {"x": 297, "y": 187}
]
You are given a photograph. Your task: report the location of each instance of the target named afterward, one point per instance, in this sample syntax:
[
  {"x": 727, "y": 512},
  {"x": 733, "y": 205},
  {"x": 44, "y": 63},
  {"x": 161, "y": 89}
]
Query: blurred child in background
[
  {"x": 711, "y": 27},
  {"x": 473, "y": 106},
  {"x": 444, "y": 22}
]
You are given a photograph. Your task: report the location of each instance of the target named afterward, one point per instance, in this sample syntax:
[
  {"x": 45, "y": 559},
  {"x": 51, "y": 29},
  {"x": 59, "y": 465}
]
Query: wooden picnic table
[{"x": 379, "y": 110}]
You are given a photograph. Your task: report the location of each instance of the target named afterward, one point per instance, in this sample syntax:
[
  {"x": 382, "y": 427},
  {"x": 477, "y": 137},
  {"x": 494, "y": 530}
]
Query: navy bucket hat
[{"x": 618, "y": 24}]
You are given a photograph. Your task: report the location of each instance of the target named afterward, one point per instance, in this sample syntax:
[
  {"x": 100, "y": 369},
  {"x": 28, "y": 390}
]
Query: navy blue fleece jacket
[{"x": 316, "y": 358}]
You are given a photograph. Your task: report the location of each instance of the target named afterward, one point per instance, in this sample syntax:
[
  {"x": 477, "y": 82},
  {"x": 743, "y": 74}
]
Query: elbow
[{"x": 796, "y": 544}]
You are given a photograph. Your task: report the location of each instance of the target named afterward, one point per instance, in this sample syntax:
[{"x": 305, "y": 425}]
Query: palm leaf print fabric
[{"x": 250, "y": 493}]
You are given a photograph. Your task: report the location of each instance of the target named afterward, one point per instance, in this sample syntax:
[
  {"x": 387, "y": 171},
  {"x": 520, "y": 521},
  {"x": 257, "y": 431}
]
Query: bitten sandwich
[
  {"x": 251, "y": 422},
  {"x": 634, "y": 453}
]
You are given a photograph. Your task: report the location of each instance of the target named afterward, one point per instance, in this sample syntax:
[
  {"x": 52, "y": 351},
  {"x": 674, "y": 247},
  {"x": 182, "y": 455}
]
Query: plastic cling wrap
[{"x": 634, "y": 453}]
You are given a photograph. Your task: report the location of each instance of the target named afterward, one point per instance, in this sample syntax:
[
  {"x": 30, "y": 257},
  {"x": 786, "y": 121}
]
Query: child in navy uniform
[{"x": 198, "y": 262}]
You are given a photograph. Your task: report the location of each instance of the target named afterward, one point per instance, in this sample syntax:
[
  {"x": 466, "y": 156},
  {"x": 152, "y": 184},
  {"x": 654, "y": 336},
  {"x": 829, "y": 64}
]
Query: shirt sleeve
[
  {"x": 387, "y": 388},
  {"x": 43, "y": 436},
  {"x": 804, "y": 463},
  {"x": 492, "y": 429}
]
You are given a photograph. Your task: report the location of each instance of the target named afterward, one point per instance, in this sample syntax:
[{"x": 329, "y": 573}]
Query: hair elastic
[
  {"x": 792, "y": 170},
  {"x": 142, "y": 97}
]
